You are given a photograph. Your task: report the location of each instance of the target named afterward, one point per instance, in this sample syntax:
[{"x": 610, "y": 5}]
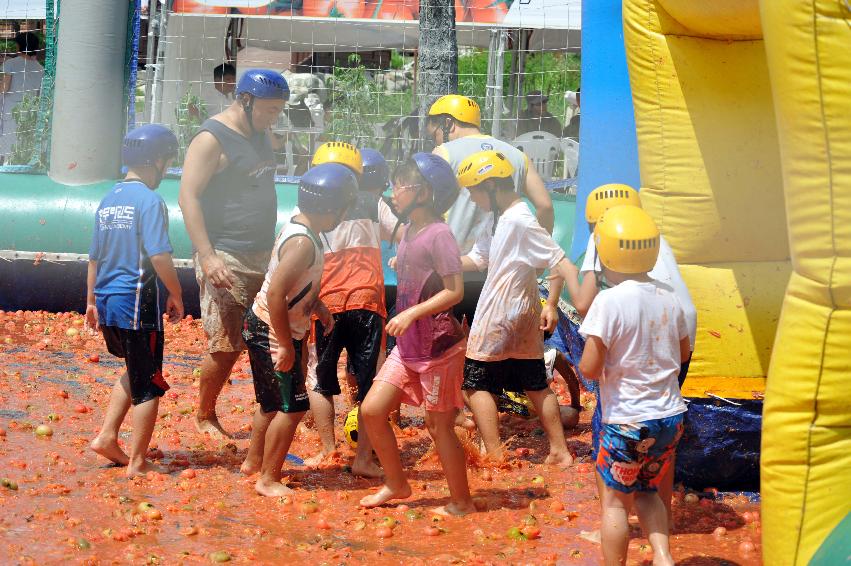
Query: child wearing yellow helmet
[
  {"x": 636, "y": 338},
  {"x": 505, "y": 348},
  {"x": 665, "y": 270}
]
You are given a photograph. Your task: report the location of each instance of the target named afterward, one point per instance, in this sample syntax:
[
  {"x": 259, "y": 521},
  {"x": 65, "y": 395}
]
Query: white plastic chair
[
  {"x": 542, "y": 149},
  {"x": 570, "y": 149}
]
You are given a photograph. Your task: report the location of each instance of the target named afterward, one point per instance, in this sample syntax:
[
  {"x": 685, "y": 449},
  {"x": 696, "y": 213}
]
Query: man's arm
[
  {"x": 540, "y": 197},
  {"x": 201, "y": 163}
]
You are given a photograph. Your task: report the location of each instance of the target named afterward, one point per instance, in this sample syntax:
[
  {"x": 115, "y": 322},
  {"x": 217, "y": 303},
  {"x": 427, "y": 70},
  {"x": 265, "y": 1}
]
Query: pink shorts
[{"x": 436, "y": 384}]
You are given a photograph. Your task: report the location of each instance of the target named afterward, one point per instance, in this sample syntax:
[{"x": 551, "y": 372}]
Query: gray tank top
[
  {"x": 465, "y": 218},
  {"x": 240, "y": 205}
]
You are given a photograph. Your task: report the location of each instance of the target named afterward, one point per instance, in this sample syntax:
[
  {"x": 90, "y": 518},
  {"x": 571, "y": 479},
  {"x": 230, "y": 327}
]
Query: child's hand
[
  {"x": 549, "y": 318},
  {"x": 399, "y": 323},
  {"x": 92, "y": 323},
  {"x": 286, "y": 357},
  {"x": 391, "y": 263},
  {"x": 174, "y": 308},
  {"x": 325, "y": 317}
]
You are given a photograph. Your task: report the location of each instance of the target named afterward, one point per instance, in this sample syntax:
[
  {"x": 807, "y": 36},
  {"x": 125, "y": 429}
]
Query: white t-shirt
[
  {"x": 508, "y": 312},
  {"x": 641, "y": 325},
  {"x": 665, "y": 271}
]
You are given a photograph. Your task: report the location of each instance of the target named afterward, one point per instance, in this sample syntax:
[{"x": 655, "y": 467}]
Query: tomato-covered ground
[{"x": 62, "y": 503}]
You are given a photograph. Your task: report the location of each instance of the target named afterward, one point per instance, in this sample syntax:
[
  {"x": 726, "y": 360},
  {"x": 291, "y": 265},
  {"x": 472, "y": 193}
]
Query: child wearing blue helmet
[
  {"x": 425, "y": 367},
  {"x": 276, "y": 324},
  {"x": 130, "y": 249}
]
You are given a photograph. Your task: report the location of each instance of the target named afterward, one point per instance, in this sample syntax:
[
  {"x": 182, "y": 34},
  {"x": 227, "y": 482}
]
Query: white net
[
  {"x": 21, "y": 73},
  {"x": 352, "y": 70}
]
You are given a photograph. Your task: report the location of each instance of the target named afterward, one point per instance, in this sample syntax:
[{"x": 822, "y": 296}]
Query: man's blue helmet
[
  {"x": 439, "y": 175},
  {"x": 263, "y": 83},
  {"x": 376, "y": 172},
  {"x": 146, "y": 144},
  {"x": 325, "y": 188}
]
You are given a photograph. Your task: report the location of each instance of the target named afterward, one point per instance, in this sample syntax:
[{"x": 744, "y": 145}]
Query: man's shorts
[
  {"x": 509, "y": 375},
  {"x": 597, "y": 418},
  {"x": 635, "y": 457},
  {"x": 222, "y": 310},
  {"x": 142, "y": 351},
  {"x": 435, "y": 384},
  {"x": 274, "y": 390},
  {"x": 361, "y": 333}
]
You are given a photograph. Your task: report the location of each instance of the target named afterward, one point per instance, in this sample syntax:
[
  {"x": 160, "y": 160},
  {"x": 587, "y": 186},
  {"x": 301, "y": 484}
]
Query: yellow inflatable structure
[{"x": 743, "y": 119}]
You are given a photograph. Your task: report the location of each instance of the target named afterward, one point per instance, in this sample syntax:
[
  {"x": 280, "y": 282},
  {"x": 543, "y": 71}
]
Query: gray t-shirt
[{"x": 465, "y": 218}]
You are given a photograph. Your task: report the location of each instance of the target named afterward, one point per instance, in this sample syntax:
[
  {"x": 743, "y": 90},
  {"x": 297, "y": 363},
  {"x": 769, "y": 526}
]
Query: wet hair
[
  {"x": 27, "y": 42},
  {"x": 222, "y": 70}
]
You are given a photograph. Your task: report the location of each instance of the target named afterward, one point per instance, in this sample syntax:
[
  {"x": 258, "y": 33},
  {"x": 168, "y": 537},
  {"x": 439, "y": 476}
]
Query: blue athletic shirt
[{"x": 131, "y": 225}]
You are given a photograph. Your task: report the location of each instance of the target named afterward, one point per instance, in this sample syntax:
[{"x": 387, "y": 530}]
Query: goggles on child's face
[{"x": 399, "y": 189}]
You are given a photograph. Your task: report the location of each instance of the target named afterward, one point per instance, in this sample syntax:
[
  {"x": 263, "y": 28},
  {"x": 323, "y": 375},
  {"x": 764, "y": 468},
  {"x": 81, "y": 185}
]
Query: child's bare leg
[
  {"x": 254, "y": 457},
  {"x": 441, "y": 427},
  {"x": 566, "y": 371},
  {"x": 144, "y": 418},
  {"x": 614, "y": 528},
  {"x": 106, "y": 442},
  {"x": 666, "y": 490},
  {"x": 279, "y": 436},
  {"x": 322, "y": 407},
  {"x": 364, "y": 464},
  {"x": 485, "y": 415},
  {"x": 654, "y": 520},
  {"x": 546, "y": 405},
  {"x": 379, "y": 402}
]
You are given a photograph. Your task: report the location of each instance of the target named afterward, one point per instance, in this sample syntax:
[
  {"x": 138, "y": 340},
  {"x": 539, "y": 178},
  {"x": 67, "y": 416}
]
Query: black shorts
[
  {"x": 509, "y": 375},
  {"x": 142, "y": 351},
  {"x": 360, "y": 332},
  {"x": 274, "y": 390}
]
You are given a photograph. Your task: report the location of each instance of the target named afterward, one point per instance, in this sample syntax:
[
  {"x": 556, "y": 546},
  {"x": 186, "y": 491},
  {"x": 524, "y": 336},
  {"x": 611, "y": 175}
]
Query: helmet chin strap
[
  {"x": 495, "y": 208},
  {"x": 249, "y": 112},
  {"x": 447, "y": 127},
  {"x": 402, "y": 216}
]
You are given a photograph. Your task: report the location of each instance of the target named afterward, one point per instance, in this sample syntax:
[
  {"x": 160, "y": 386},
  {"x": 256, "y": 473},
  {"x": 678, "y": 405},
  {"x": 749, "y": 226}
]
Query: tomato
[
  {"x": 531, "y": 532},
  {"x": 322, "y": 523},
  {"x": 431, "y": 531},
  {"x": 309, "y": 507},
  {"x": 746, "y": 547},
  {"x": 384, "y": 532},
  {"x": 188, "y": 473},
  {"x": 43, "y": 431},
  {"x": 719, "y": 532},
  {"x": 94, "y": 358}
]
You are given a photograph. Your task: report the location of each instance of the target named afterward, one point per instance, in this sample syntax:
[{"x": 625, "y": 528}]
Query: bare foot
[
  {"x": 250, "y": 467},
  {"x": 270, "y": 488},
  {"x": 384, "y": 495},
  {"x": 560, "y": 459},
  {"x": 455, "y": 509},
  {"x": 143, "y": 468},
  {"x": 110, "y": 450},
  {"x": 368, "y": 469},
  {"x": 212, "y": 427},
  {"x": 316, "y": 460}
]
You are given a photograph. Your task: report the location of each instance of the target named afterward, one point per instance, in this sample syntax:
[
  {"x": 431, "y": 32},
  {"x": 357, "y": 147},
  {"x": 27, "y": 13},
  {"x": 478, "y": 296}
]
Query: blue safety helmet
[
  {"x": 325, "y": 188},
  {"x": 146, "y": 144},
  {"x": 263, "y": 83},
  {"x": 440, "y": 177},
  {"x": 376, "y": 172}
]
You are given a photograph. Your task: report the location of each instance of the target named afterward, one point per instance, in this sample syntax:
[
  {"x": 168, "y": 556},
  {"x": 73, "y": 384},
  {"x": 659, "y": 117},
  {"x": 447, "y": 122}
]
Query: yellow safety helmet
[
  {"x": 461, "y": 108},
  {"x": 482, "y": 166},
  {"x": 605, "y": 197},
  {"x": 339, "y": 152},
  {"x": 627, "y": 240}
]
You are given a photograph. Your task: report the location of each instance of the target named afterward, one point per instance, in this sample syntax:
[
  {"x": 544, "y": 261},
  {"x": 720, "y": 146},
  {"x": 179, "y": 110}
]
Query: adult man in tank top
[
  {"x": 454, "y": 122},
  {"x": 227, "y": 195}
]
